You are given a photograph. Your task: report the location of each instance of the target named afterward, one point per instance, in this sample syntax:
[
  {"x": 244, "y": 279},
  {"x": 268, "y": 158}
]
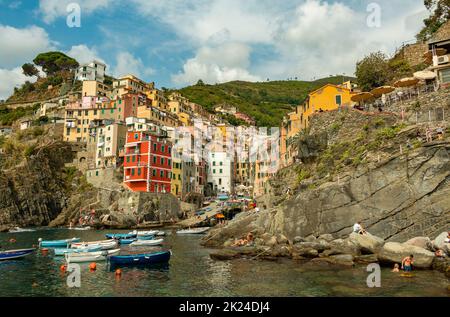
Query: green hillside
[{"x": 267, "y": 102}]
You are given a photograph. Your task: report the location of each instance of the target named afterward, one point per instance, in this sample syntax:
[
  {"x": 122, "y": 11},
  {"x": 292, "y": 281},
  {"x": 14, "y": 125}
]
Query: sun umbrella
[
  {"x": 362, "y": 96},
  {"x": 382, "y": 90},
  {"x": 406, "y": 82},
  {"x": 425, "y": 75}
]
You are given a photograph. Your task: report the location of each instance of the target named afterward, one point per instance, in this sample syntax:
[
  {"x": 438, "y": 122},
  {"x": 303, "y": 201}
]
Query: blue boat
[
  {"x": 146, "y": 237},
  {"x": 126, "y": 241},
  {"x": 61, "y": 252},
  {"x": 141, "y": 259},
  {"x": 14, "y": 254},
  {"x": 57, "y": 243},
  {"x": 120, "y": 235}
]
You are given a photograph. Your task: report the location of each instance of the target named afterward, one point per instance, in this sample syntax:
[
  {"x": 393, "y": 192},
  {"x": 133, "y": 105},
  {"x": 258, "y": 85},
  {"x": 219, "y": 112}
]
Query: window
[
  {"x": 136, "y": 136},
  {"x": 214, "y": 171},
  {"x": 154, "y": 172},
  {"x": 221, "y": 163},
  {"x": 214, "y": 163},
  {"x": 220, "y": 181},
  {"x": 154, "y": 147},
  {"x": 132, "y": 172},
  {"x": 221, "y": 171},
  {"x": 128, "y": 159},
  {"x": 154, "y": 159},
  {"x": 162, "y": 148},
  {"x": 445, "y": 76},
  {"x": 161, "y": 173},
  {"x": 139, "y": 171},
  {"x": 338, "y": 100},
  {"x": 133, "y": 159},
  {"x": 162, "y": 161}
]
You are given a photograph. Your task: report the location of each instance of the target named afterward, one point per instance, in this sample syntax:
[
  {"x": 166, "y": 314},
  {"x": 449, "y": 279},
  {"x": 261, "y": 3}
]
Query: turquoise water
[{"x": 192, "y": 273}]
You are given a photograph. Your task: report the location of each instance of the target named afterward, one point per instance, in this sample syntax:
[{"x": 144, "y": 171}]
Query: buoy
[
  {"x": 92, "y": 266},
  {"x": 44, "y": 251},
  {"x": 118, "y": 273},
  {"x": 35, "y": 284},
  {"x": 12, "y": 240},
  {"x": 63, "y": 268}
]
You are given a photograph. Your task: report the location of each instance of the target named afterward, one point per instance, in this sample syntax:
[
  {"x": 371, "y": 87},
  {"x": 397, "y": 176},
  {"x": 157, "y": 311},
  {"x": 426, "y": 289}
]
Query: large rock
[
  {"x": 368, "y": 243},
  {"x": 340, "y": 259},
  {"x": 421, "y": 242},
  {"x": 439, "y": 242},
  {"x": 344, "y": 246},
  {"x": 394, "y": 252}
]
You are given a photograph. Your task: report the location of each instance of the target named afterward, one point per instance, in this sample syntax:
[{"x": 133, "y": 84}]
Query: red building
[{"x": 148, "y": 159}]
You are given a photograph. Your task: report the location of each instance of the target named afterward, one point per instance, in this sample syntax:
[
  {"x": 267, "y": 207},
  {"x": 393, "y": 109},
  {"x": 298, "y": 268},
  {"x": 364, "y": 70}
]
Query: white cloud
[
  {"x": 10, "y": 79},
  {"x": 126, "y": 63},
  {"x": 84, "y": 54},
  {"x": 311, "y": 38},
  {"x": 217, "y": 64},
  {"x": 19, "y": 46},
  {"x": 53, "y": 9}
]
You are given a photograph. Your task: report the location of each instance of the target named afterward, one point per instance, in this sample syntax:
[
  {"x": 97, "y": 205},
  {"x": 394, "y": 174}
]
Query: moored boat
[
  {"x": 90, "y": 256},
  {"x": 80, "y": 228},
  {"x": 60, "y": 252},
  {"x": 120, "y": 235},
  {"x": 126, "y": 241},
  {"x": 103, "y": 245},
  {"x": 15, "y": 254},
  {"x": 198, "y": 230},
  {"x": 19, "y": 230},
  {"x": 145, "y": 237},
  {"x": 57, "y": 243},
  {"x": 147, "y": 242},
  {"x": 140, "y": 259}
]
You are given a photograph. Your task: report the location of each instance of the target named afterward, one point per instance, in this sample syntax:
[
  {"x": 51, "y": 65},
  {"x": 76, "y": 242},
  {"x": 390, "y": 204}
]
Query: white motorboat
[
  {"x": 19, "y": 230},
  {"x": 147, "y": 242},
  {"x": 80, "y": 228},
  {"x": 198, "y": 230},
  {"x": 90, "y": 256}
]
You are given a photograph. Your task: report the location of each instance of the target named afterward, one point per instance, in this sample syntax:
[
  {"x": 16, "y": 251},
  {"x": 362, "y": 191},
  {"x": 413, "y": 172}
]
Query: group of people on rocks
[
  {"x": 85, "y": 218},
  {"x": 408, "y": 261}
]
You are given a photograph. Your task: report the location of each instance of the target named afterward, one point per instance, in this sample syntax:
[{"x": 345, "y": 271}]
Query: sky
[{"x": 177, "y": 42}]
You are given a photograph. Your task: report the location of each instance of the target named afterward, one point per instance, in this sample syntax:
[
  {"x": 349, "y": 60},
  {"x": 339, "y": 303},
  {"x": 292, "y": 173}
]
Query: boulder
[
  {"x": 320, "y": 246},
  {"x": 272, "y": 241},
  {"x": 366, "y": 259},
  {"x": 310, "y": 238},
  {"x": 224, "y": 255},
  {"x": 228, "y": 243},
  {"x": 327, "y": 237},
  {"x": 447, "y": 272},
  {"x": 281, "y": 239},
  {"x": 441, "y": 264},
  {"x": 340, "y": 259},
  {"x": 306, "y": 252},
  {"x": 280, "y": 251},
  {"x": 344, "y": 246},
  {"x": 394, "y": 252},
  {"x": 439, "y": 242},
  {"x": 367, "y": 243},
  {"x": 421, "y": 242},
  {"x": 298, "y": 239}
]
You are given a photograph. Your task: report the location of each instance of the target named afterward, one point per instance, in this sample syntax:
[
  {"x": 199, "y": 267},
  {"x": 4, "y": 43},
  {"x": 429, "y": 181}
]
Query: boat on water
[
  {"x": 141, "y": 259},
  {"x": 80, "y": 228},
  {"x": 126, "y": 241},
  {"x": 61, "y": 252},
  {"x": 19, "y": 230},
  {"x": 15, "y": 254},
  {"x": 147, "y": 242},
  {"x": 198, "y": 230},
  {"x": 103, "y": 245},
  {"x": 120, "y": 235},
  {"x": 146, "y": 237},
  {"x": 148, "y": 233},
  {"x": 90, "y": 256},
  {"x": 57, "y": 243}
]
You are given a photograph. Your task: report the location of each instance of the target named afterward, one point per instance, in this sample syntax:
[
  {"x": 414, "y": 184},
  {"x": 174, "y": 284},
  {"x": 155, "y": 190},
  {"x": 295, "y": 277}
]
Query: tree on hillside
[
  {"x": 200, "y": 83},
  {"x": 30, "y": 70},
  {"x": 373, "y": 71},
  {"x": 53, "y": 62},
  {"x": 439, "y": 14}
]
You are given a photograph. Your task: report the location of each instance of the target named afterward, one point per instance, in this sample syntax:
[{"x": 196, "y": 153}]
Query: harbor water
[{"x": 192, "y": 272}]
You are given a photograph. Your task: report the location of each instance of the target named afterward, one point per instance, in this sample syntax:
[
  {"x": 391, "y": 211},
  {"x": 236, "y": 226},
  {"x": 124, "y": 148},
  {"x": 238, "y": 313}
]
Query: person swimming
[
  {"x": 396, "y": 268},
  {"x": 407, "y": 263}
]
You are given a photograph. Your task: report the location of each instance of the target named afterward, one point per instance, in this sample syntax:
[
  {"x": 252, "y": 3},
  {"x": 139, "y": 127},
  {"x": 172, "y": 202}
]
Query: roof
[{"x": 327, "y": 85}]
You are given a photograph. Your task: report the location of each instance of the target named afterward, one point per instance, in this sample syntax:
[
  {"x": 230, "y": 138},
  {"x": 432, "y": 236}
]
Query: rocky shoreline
[{"x": 325, "y": 249}]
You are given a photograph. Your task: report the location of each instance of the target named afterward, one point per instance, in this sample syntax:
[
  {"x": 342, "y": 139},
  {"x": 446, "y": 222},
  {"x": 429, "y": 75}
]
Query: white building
[
  {"x": 220, "y": 172},
  {"x": 94, "y": 70}
]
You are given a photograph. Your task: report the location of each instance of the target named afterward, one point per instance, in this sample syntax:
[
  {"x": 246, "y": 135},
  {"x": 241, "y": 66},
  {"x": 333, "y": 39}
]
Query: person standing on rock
[{"x": 407, "y": 263}]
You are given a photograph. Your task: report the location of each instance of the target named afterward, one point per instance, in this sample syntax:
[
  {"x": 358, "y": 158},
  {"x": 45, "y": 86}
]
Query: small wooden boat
[
  {"x": 15, "y": 254},
  {"x": 89, "y": 256},
  {"x": 126, "y": 241},
  {"x": 141, "y": 259},
  {"x": 147, "y": 242},
  {"x": 103, "y": 245},
  {"x": 198, "y": 230},
  {"x": 61, "y": 252},
  {"x": 80, "y": 228},
  {"x": 57, "y": 243},
  {"x": 148, "y": 233},
  {"x": 121, "y": 235},
  {"x": 146, "y": 237}
]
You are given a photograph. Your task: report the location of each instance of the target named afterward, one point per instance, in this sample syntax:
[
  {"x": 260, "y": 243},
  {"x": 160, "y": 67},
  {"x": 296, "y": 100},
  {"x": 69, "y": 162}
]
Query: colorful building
[{"x": 147, "y": 157}]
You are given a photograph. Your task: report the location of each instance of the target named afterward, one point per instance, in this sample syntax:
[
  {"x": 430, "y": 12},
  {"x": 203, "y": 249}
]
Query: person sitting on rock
[
  {"x": 396, "y": 268},
  {"x": 357, "y": 227},
  {"x": 439, "y": 253},
  {"x": 407, "y": 263},
  {"x": 447, "y": 240}
]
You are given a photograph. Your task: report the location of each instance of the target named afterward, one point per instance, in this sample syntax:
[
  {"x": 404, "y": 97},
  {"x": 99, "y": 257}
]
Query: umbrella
[
  {"x": 406, "y": 82},
  {"x": 382, "y": 90},
  {"x": 362, "y": 96},
  {"x": 425, "y": 75}
]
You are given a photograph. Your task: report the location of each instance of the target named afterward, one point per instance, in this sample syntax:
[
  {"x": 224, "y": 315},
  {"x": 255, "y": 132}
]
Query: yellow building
[
  {"x": 92, "y": 88},
  {"x": 130, "y": 84},
  {"x": 177, "y": 172},
  {"x": 326, "y": 98},
  {"x": 79, "y": 116}
]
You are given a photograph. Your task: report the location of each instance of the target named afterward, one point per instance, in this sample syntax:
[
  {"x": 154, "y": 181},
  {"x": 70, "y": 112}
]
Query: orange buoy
[
  {"x": 118, "y": 273},
  {"x": 12, "y": 240},
  {"x": 44, "y": 251},
  {"x": 63, "y": 268},
  {"x": 92, "y": 266}
]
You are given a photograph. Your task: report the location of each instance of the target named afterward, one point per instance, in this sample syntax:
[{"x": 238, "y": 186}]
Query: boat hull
[
  {"x": 90, "y": 256},
  {"x": 58, "y": 243},
  {"x": 193, "y": 231},
  {"x": 15, "y": 254},
  {"x": 103, "y": 245},
  {"x": 141, "y": 259},
  {"x": 120, "y": 235},
  {"x": 147, "y": 242},
  {"x": 62, "y": 252}
]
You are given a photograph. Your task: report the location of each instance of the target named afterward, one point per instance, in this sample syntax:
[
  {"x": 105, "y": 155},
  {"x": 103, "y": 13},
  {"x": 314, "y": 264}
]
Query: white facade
[
  {"x": 220, "y": 172},
  {"x": 94, "y": 70}
]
